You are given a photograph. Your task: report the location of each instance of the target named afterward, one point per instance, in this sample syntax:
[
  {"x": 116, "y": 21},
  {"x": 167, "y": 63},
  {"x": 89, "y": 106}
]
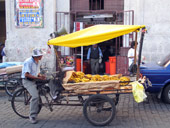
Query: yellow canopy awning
[{"x": 93, "y": 35}]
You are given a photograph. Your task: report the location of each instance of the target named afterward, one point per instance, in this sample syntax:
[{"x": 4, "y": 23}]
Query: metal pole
[
  {"x": 136, "y": 35},
  {"x": 81, "y": 58},
  {"x": 140, "y": 53},
  {"x": 75, "y": 48}
]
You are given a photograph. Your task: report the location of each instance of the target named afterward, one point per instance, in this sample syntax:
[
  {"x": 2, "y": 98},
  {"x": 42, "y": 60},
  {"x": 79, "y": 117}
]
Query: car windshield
[{"x": 164, "y": 60}]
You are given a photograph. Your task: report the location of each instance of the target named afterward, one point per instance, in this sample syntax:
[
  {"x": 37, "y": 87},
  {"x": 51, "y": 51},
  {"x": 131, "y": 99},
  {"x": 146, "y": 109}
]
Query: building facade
[
  {"x": 155, "y": 15},
  {"x": 21, "y": 40},
  {"x": 57, "y": 13}
]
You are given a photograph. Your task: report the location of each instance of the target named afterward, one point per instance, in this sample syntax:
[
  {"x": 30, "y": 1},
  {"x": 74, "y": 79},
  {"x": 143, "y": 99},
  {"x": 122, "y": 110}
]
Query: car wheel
[{"x": 166, "y": 94}]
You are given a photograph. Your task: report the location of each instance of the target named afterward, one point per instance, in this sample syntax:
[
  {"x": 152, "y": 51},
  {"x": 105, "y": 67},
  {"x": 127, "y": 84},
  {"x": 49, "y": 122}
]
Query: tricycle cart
[
  {"x": 99, "y": 106},
  {"x": 10, "y": 77},
  {"x": 13, "y": 82},
  {"x": 98, "y": 103},
  {"x": 10, "y": 81}
]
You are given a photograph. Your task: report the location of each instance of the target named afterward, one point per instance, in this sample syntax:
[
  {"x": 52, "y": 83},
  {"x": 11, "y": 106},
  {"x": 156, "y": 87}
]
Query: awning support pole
[
  {"x": 136, "y": 35},
  {"x": 81, "y": 58},
  {"x": 140, "y": 53}
]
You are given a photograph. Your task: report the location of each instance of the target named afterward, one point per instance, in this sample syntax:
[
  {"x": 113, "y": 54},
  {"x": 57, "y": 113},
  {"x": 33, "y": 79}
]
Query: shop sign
[{"x": 29, "y": 13}]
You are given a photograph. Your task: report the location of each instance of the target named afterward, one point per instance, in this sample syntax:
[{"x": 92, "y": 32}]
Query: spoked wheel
[
  {"x": 99, "y": 110},
  {"x": 21, "y": 102},
  {"x": 11, "y": 85}
]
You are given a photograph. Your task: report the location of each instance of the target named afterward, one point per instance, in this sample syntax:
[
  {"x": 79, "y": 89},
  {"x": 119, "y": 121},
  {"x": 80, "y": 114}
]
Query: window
[{"x": 96, "y": 4}]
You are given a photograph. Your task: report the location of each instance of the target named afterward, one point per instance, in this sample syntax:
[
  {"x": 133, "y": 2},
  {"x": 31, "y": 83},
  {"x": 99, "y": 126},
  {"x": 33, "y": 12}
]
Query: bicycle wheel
[
  {"x": 99, "y": 110},
  {"x": 21, "y": 102},
  {"x": 11, "y": 85}
]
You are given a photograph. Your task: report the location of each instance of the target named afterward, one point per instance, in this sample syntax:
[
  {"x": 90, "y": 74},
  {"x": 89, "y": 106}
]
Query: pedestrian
[
  {"x": 131, "y": 56},
  {"x": 3, "y": 52},
  {"x": 94, "y": 57},
  {"x": 30, "y": 73}
]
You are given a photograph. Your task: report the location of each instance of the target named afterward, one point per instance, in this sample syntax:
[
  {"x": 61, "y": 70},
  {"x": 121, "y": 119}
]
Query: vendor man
[
  {"x": 30, "y": 73},
  {"x": 94, "y": 55}
]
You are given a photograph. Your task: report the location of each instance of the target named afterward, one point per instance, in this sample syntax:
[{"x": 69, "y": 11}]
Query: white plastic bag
[{"x": 100, "y": 60}]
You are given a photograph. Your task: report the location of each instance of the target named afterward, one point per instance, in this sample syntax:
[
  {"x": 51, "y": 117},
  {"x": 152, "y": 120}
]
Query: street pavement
[{"x": 129, "y": 114}]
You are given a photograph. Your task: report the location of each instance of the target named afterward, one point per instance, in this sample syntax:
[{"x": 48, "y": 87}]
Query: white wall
[
  {"x": 64, "y": 6},
  {"x": 155, "y": 15},
  {"x": 21, "y": 41}
]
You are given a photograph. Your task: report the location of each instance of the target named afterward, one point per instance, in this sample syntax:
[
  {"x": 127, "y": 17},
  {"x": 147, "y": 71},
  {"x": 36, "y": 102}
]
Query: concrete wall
[
  {"x": 63, "y": 5},
  {"x": 63, "y": 20},
  {"x": 155, "y": 15},
  {"x": 21, "y": 41}
]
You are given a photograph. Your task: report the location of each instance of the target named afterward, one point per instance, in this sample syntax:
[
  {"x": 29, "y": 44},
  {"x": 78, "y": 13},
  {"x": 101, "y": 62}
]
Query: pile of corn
[{"x": 77, "y": 77}]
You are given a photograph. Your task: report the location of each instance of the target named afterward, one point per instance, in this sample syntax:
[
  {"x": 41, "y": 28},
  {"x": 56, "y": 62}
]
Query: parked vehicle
[{"x": 159, "y": 75}]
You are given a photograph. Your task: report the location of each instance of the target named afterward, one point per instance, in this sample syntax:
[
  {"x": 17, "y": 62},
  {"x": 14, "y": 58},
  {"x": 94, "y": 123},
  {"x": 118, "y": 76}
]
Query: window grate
[{"x": 96, "y": 4}]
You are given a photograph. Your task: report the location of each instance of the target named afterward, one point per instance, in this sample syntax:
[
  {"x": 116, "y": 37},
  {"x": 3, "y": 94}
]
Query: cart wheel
[{"x": 99, "y": 110}]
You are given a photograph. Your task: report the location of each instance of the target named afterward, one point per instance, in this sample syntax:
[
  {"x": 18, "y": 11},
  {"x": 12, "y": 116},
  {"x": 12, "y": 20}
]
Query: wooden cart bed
[{"x": 102, "y": 87}]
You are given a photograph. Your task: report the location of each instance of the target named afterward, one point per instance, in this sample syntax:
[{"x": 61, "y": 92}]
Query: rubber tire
[
  {"x": 105, "y": 97},
  {"x": 20, "y": 90},
  {"x": 165, "y": 96},
  {"x": 18, "y": 84}
]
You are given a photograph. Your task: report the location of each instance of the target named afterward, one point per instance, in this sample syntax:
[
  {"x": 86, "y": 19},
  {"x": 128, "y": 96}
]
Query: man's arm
[
  {"x": 28, "y": 75},
  {"x": 100, "y": 52},
  {"x": 88, "y": 54}
]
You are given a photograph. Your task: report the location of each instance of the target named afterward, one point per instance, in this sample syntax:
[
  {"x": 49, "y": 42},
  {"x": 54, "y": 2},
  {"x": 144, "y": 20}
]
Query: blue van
[{"x": 159, "y": 75}]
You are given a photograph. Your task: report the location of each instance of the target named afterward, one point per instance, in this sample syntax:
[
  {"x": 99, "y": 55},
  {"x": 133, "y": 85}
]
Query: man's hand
[{"x": 42, "y": 77}]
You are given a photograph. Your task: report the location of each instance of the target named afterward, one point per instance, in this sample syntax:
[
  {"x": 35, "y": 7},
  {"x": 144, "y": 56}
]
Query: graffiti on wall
[{"x": 29, "y": 13}]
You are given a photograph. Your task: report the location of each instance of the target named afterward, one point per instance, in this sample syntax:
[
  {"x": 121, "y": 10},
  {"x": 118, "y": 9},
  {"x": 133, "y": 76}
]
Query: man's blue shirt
[{"x": 31, "y": 67}]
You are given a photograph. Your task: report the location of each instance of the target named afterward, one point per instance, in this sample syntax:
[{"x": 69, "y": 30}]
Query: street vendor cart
[{"x": 98, "y": 98}]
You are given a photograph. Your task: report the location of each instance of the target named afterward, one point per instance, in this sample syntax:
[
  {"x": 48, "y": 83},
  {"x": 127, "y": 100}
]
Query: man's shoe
[{"x": 33, "y": 120}]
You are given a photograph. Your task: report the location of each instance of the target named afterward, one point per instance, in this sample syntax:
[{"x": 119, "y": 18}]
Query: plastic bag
[
  {"x": 138, "y": 92},
  {"x": 100, "y": 60}
]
